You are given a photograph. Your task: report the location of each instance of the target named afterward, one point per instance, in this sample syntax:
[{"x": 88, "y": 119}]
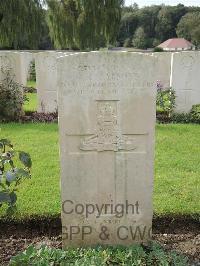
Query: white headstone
[
  {"x": 46, "y": 81},
  {"x": 185, "y": 79},
  {"x": 107, "y": 112},
  {"x": 26, "y": 59},
  {"x": 164, "y": 69},
  {"x": 10, "y": 60},
  {"x": 46, "y": 77}
]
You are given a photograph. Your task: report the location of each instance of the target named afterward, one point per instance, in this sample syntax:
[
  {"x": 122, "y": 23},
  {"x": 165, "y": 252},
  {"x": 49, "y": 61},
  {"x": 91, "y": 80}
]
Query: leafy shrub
[
  {"x": 158, "y": 49},
  {"x": 11, "y": 97},
  {"x": 183, "y": 118},
  {"x": 195, "y": 113},
  {"x": 36, "y": 117},
  {"x": 137, "y": 255},
  {"x": 10, "y": 175},
  {"x": 165, "y": 100},
  {"x": 30, "y": 90},
  {"x": 192, "y": 117}
]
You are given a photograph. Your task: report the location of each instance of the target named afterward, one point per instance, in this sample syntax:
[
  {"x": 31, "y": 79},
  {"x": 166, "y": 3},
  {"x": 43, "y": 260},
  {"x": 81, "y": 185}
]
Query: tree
[
  {"x": 20, "y": 23},
  {"x": 129, "y": 23},
  {"x": 84, "y": 23},
  {"x": 45, "y": 42},
  {"x": 127, "y": 42},
  {"x": 189, "y": 28},
  {"x": 177, "y": 13},
  {"x": 133, "y": 17},
  {"x": 139, "y": 39},
  {"x": 165, "y": 27},
  {"x": 129, "y": 9},
  {"x": 148, "y": 18},
  {"x": 159, "y": 22}
]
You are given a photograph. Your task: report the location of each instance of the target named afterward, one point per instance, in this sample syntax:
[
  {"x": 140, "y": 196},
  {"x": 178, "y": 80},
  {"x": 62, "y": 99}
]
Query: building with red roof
[{"x": 177, "y": 44}]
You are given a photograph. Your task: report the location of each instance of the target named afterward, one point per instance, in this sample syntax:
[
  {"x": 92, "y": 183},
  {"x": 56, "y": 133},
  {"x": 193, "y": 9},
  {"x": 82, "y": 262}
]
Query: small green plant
[
  {"x": 195, "y": 113},
  {"x": 165, "y": 99},
  {"x": 158, "y": 49},
  {"x": 11, "y": 97},
  {"x": 136, "y": 255},
  {"x": 191, "y": 117},
  {"x": 10, "y": 174},
  {"x": 182, "y": 118}
]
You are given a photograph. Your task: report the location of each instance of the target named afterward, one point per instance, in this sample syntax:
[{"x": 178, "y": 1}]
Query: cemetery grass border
[
  {"x": 31, "y": 104},
  {"x": 176, "y": 201},
  {"x": 177, "y": 169},
  {"x": 31, "y": 115}
]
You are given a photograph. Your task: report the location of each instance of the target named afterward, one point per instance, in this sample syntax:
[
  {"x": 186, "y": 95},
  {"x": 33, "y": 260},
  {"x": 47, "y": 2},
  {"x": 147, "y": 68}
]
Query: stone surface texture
[
  {"x": 107, "y": 117},
  {"x": 26, "y": 58},
  {"x": 164, "y": 69},
  {"x": 185, "y": 79},
  {"x": 10, "y": 61},
  {"x": 46, "y": 78}
]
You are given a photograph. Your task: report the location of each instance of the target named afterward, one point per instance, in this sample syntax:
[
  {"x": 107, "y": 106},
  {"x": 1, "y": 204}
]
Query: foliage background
[
  {"x": 91, "y": 24},
  {"x": 149, "y": 26}
]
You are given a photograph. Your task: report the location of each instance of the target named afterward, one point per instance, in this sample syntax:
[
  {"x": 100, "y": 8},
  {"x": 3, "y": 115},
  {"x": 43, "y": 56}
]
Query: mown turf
[
  {"x": 31, "y": 83},
  {"x": 31, "y": 104},
  {"x": 177, "y": 169},
  {"x": 41, "y": 194}
]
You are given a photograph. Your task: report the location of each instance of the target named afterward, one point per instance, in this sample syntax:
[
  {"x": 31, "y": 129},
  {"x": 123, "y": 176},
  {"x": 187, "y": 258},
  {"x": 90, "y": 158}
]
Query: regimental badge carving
[{"x": 107, "y": 137}]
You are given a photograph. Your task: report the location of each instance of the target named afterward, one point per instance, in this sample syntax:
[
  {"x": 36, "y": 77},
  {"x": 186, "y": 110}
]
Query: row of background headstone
[{"x": 180, "y": 70}]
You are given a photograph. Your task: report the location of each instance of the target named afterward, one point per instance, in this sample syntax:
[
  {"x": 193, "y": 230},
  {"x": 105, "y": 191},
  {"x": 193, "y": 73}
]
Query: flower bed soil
[{"x": 173, "y": 233}]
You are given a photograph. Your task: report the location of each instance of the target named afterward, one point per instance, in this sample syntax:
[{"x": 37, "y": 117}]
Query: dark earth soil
[{"x": 173, "y": 233}]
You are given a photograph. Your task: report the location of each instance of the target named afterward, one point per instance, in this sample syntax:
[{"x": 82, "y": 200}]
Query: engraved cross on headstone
[{"x": 107, "y": 136}]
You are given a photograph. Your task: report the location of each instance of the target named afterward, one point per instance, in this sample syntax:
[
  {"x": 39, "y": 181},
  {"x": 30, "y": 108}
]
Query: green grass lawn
[
  {"x": 177, "y": 169},
  {"x": 31, "y": 105},
  {"x": 31, "y": 83}
]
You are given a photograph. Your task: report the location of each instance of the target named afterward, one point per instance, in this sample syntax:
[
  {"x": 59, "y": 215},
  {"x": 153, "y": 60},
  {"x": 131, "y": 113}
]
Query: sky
[{"x": 166, "y": 2}]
